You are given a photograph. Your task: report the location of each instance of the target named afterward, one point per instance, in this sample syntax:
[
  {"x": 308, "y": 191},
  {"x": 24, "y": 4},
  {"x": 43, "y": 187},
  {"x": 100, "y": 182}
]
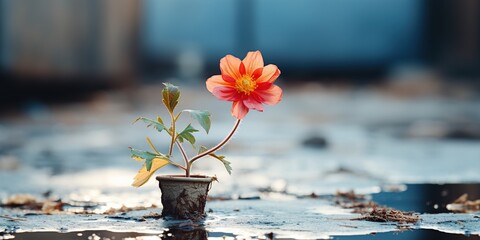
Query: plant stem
[
  {"x": 151, "y": 145},
  {"x": 177, "y": 165},
  {"x": 184, "y": 155},
  {"x": 173, "y": 134},
  {"x": 213, "y": 149}
]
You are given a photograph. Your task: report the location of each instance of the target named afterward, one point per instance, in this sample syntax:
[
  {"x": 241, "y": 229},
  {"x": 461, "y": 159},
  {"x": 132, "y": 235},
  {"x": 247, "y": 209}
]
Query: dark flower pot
[{"x": 184, "y": 197}]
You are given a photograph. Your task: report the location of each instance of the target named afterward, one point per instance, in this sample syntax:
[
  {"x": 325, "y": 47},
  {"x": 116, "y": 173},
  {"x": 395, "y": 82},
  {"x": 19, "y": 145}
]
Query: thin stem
[
  {"x": 184, "y": 155},
  {"x": 218, "y": 146},
  {"x": 151, "y": 145},
  {"x": 177, "y": 165},
  {"x": 189, "y": 167},
  {"x": 173, "y": 135},
  {"x": 178, "y": 115}
]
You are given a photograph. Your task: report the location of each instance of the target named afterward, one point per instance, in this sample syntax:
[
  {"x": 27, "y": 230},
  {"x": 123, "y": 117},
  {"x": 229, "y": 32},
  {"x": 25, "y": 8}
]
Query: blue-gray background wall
[
  {"x": 305, "y": 34},
  {"x": 3, "y": 47}
]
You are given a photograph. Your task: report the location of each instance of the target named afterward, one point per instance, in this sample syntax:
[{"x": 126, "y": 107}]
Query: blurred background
[
  {"x": 57, "y": 50},
  {"x": 374, "y": 92}
]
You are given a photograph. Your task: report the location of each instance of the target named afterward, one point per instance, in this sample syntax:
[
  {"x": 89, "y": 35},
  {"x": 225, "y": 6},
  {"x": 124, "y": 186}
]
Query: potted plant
[{"x": 248, "y": 84}]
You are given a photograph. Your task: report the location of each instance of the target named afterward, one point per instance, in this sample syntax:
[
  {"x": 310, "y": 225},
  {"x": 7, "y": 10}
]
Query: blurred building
[
  {"x": 57, "y": 44},
  {"x": 340, "y": 35},
  {"x": 68, "y": 40},
  {"x": 453, "y": 36},
  {"x": 346, "y": 37}
]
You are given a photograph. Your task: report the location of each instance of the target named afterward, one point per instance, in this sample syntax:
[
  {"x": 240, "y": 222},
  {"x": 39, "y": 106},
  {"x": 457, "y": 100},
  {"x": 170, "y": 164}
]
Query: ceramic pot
[{"x": 184, "y": 197}]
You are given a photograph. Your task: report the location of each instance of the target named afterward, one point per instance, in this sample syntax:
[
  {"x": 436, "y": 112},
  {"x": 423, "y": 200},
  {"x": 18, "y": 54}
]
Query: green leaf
[
  {"x": 203, "y": 117},
  {"x": 187, "y": 134},
  {"x": 157, "y": 125},
  {"x": 170, "y": 94},
  {"x": 225, "y": 162},
  {"x": 147, "y": 156}
]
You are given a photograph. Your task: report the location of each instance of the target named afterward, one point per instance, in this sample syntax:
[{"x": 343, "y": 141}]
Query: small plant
[{"x": 247, "y": 83}]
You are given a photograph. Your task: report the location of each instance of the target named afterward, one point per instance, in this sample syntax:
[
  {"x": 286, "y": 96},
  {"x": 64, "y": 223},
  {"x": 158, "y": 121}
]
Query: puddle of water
[
  {"x": 421, "y": 234},
  {"x": 177, "y": 234},
  {"x": 107, "y": 235},
  {"x": 426, "y": 198},
  {"x": 201, "y": 234}
]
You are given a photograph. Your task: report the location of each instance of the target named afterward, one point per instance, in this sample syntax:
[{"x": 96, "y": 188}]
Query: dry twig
[
  {"x": 463, "y": 205},
  {"x": 371, "y": 211},
  {"x": 383, "y": 214}
]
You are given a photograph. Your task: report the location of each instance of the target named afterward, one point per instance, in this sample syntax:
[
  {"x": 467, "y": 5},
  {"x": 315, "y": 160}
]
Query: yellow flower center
[{"x": 245, "y": 84}]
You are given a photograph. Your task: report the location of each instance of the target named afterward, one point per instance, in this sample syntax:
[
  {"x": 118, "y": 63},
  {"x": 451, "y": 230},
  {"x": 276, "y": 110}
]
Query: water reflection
[
  {"x": 196, "y": 234},
  {"x": 411, "y": 235},
  {"x": 177, "y": 234},
  {"x": 201, "y": 234},
  {"x": 427, "y": 198}
]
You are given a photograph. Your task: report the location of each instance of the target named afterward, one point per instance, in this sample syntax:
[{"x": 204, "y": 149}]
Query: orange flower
[{"x": 247, "y": 83}]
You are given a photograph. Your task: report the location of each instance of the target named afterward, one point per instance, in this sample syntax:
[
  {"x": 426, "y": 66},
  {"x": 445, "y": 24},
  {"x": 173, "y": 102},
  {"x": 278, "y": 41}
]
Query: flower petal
[
  {"x": 252, "y": 103},
  {"x": 229, "y": 65},
  {"x": 239, "y": 110},
  {"x": 226, "y": 93},
  {"x": 257, "y": 73},
  {"x": 241, "y": 69},
  {"x": 215, "y": 81},
  {"x": 270, "y": 96},
  {"x": 228, "y": 79},
  {"x": 270, "y": 73},
  {"x": 253, "y": 61}
]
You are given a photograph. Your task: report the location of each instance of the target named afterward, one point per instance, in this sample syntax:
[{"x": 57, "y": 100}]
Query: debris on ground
[
  {"x": 384, "y": 214},
  {"x": 218, "y": 198},
  {"x": 51, "y": 207},
  {"x": 153, "y": 215},
  {"x": 32, "y": 203},
  {"x": 20, "y": 200},
  {"x": 350, "y": 195},
  {"x": 124, "y": 209},
  {"x": 23, "y": 201},
  {"x": 360, "y": 207},
  {"x": 57, "y": 206},
  {"x": 371, "y": 211},
  {"x": 463, "y": 205}
]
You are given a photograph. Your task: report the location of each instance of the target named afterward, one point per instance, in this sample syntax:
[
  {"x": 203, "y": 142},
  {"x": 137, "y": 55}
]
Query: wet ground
[
  {"x": 409, "y": 153},
  {"x": 407, "y": 234}
]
